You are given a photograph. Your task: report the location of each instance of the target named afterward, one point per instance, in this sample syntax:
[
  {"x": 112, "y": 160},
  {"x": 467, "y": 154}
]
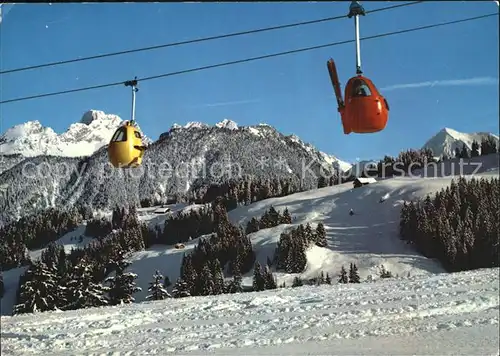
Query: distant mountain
[
  {"x": 447, "y": 140},
  {"x": 51, "y": 172},
  {"x": 84, "y": 138},
  {"x": 444, "y": 142},
  {"x": 31, "y": 139}
]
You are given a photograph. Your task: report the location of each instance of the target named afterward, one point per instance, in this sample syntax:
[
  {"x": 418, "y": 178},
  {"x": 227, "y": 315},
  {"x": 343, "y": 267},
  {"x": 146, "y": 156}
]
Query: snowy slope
[
  {"x": 94, "y": 131},
  {"x": 447, "y": 140},
  {"x": 343, "y": 166},
  {"x": 262, "y": 130},
  {"x": 369, "y": 238},
  {"x": 448, "y": 314}
]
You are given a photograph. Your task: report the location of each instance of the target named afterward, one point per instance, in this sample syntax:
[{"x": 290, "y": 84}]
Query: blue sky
[{"x": 293, "y": 93}]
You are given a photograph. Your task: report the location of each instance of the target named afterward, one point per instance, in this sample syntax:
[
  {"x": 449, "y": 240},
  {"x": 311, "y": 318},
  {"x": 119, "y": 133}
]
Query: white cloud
[
  {"x": 227, "y": 103},
  {"x": 444, "y": 83},
  {"x": 238, "y": 102}
]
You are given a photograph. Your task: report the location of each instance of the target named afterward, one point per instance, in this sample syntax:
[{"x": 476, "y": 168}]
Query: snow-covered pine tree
[
  {"x": 475, "y": 149},
  {"x": 309, "y": 234},
  {"x": 321, "y": 235},
  {"x": 122, "y": 285},
  {"x": 180, "y": 289},
  {"x": 274, "y": 216},
  {"x": 269, "y": 281},
  {"x": 234, "y": 286},
  {"x": 39, "y": 292},
  {"x": 298, "y": 258},
  {"x": 218, "y": 276},
  {"x": 353, "y": 274},
  {"x": 328, "y": 280},
  {"x": 258, "y": 282},
  {"x": 82, "y": 291},
  {"x": 465, "y": 151},
  {"x": 156, "y": 289},
  {"x": 343, "y": 275},
  {"x": 297, "y": 282},
  {"x": 252, "y": 226},
  {"x": 286, "y": 218},
  {"x": 207, "y": 285}
]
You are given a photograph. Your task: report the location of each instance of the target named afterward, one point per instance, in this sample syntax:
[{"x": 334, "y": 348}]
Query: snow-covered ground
[
  {"x": 369, "y": 238},
  {"x": 447, "y": 314},
  {"x": 424, "y": 311}
]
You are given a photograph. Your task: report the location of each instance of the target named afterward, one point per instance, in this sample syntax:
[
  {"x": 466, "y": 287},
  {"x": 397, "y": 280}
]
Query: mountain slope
[
  {"x": 369, "y": 238},
  {"x": 447, "y": 140},
  {"x": 180, "y": 161}
]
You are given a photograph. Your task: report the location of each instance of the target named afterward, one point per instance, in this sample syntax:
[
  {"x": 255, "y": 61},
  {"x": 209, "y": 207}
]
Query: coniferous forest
[{"x": 458, "y": 225}]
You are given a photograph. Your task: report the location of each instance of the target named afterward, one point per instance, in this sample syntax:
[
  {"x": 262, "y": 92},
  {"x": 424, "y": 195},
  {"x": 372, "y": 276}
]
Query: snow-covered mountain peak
[
  {"x": 189, "y": 125},
  {"x": 24, "y": 129},
  {"x": 95, "y": 130},
  {"x": 447, "y": 140},
  {"x": 83, "y": 138},
  {"x": 195, "y": 125},
  {"x": 30, "y": 137},
  {"x": 93, "y": 116},
  {"x": 449, "y": 131},
  {"x": 227, "y": 124}
]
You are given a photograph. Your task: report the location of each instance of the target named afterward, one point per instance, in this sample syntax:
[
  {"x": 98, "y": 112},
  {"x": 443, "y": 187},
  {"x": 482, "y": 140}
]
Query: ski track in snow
[{"x": 306, "y": 319}]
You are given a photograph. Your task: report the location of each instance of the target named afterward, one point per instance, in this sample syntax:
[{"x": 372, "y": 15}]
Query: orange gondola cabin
[{"x": 364, "y": 110}]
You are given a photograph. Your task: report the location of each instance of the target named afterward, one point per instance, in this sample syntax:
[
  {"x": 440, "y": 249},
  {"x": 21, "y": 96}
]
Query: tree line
[
  {"x": 410, "y": 160},
  {"x": 74, "y": 280},
  {"x": 234, "y": 192},
  {"x": 34, "y": 232},
  {"x": 96, "y": 274},
  {"x": 458, "y": 225},
  {"x": 290, "y": 254}
]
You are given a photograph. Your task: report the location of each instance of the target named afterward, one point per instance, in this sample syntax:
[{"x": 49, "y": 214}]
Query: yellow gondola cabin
[{"x": 126, "y": 149}]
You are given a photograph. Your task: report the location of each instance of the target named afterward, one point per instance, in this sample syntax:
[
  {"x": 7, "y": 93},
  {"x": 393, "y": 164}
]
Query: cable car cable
[
  {"x": 387, "y": 34},
  {"x": 203, "y": 39}
]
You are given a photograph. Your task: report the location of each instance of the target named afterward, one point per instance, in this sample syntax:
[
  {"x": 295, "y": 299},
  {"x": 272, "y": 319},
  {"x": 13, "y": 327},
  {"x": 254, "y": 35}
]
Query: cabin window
[
  {"x": 120, "y": 135},
  {"x": 137, "y": 134},
  {"x": 360, "y": 88}
]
